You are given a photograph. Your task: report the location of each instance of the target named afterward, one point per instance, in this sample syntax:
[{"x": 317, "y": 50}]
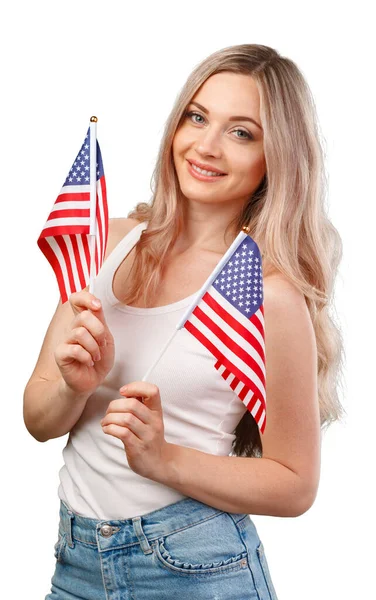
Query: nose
[{"x": 208, "y": 143}]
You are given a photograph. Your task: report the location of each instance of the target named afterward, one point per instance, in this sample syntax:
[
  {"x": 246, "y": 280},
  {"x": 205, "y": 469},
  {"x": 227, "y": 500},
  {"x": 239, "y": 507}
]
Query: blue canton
[
  {"x": 80, "y": 171},
  {"x": 240, "y": 280}
]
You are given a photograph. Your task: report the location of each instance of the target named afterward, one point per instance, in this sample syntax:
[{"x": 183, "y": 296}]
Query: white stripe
[
  {"x": 234, "y": 312},
  {"x": 62, "y": 222},
  {"x": 73, "y": 260},
  {"x": 226, "y": 351},
  {"x": 75, "y": 189},
  {"x": 59, "y": 255},
  {"x": 72, "y": 205},
  {"x": 83, "y": 258}
]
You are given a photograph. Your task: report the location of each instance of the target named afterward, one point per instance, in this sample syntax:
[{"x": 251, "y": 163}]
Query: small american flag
[
  {"x": 228, "y": 319},
  {"x": 64, "y": 239}
]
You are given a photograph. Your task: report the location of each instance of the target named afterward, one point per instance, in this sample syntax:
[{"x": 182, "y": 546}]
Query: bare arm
[
  {"x": 285, "y": 480},
  {"x": 51, "y": 407}
]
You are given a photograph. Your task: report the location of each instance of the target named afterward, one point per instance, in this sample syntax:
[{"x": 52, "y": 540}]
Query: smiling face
[{"x": 209, "y": 135}]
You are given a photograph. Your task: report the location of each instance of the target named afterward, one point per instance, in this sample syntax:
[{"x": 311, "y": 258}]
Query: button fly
[{"x": 106, "y": 530}]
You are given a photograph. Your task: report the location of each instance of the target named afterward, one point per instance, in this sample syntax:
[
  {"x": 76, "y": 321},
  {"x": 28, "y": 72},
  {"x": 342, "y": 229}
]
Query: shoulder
[
  {"x": 282, "y": 296},
  {"x": 287, "y": 318},
  {"x": 117, "y": 229}
]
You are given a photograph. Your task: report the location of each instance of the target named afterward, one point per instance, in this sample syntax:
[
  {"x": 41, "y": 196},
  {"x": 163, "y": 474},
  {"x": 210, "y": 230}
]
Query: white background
[{"x": 61, "y": 63}]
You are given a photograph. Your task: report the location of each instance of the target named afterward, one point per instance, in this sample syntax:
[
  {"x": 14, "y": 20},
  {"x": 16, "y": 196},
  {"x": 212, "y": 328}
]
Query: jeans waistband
[{"x": 119, "y": 533}]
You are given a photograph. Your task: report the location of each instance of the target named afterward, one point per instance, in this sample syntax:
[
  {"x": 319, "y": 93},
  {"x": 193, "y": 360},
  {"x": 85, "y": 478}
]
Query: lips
[{"x": 205, "y": 166}]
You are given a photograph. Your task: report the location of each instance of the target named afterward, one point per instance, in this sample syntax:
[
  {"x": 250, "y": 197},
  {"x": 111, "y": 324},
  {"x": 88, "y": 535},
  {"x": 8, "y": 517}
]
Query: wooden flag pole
[
  {"x": 239, "y": 238},
  {"x": 93, "y": 198}
]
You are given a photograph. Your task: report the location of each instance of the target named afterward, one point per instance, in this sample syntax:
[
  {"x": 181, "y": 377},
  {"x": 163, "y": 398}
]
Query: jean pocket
[
  {"x": 59, "y": 547},
  {"x": 265, "y": 570},
  {"x": 207, "y": 547}
]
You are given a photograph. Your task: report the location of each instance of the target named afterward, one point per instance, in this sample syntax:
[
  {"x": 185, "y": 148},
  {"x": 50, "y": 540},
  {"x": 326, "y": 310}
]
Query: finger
[
  {"x": 81, "y": 336},
  {"x": 67, "y": 353},
  {"x": 94, "y": 326},
  {"x": 139, "y": 388},
  {"x": 127, "y": 420},
  {"x": 83, "y": 300},
  {"x": 130, "y": 405}
]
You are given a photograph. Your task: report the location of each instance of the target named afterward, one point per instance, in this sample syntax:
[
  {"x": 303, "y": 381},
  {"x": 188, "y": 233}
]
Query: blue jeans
[{"x": 186, "y": 550}]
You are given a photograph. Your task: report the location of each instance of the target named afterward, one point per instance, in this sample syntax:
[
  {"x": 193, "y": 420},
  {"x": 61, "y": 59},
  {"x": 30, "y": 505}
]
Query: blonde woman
[{"x": 160, "y": 477}]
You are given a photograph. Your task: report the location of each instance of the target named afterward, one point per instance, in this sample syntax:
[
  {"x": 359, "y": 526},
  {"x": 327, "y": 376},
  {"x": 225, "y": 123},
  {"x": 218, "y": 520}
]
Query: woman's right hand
[{"x": 87, "y": 354}]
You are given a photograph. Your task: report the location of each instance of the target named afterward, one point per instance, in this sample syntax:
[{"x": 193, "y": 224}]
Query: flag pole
[
  {"x": 239, "y": 238},
  {"x": 93, "y": 198}
]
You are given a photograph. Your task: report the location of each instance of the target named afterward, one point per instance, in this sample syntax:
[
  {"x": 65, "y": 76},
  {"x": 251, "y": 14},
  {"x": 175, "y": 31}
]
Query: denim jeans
[{"x": 186, "y": 551}]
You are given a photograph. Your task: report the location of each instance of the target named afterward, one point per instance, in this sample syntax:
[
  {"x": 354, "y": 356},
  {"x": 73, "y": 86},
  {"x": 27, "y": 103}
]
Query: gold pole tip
[
  {"x": 246, "y": 229},
  {"x": 94, "y": 119}
]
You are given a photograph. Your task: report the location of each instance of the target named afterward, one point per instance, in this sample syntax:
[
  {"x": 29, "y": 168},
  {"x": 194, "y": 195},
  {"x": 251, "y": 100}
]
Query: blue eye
[{"x": 192, "y": 113}]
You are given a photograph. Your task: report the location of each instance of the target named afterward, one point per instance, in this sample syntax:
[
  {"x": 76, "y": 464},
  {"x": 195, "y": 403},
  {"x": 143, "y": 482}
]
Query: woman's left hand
[{"x": 137, "y": 420}]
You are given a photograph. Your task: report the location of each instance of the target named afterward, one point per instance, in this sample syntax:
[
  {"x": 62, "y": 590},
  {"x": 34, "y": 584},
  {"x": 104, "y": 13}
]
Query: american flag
[
  {"x": 228, "y": 319},
  {"x": 64, "y": 239}
]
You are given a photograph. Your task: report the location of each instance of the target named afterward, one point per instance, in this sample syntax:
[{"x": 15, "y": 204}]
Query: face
[{"x": 209, "y": 136}]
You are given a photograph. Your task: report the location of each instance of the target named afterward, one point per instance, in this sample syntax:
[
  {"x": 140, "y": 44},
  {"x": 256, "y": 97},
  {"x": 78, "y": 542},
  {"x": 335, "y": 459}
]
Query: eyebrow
[{"x": 235, "y": 118}]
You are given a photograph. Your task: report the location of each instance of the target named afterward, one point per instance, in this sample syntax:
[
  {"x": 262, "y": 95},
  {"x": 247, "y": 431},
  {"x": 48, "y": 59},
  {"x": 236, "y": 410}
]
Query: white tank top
[{"x": 200, "y": 410}]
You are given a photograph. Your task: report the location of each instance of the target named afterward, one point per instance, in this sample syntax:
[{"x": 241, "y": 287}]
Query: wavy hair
[{"x": 287, "y": 214}]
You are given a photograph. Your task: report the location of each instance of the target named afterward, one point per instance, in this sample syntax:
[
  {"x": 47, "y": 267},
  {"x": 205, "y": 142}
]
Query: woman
[{"x": 151, "y": 500}]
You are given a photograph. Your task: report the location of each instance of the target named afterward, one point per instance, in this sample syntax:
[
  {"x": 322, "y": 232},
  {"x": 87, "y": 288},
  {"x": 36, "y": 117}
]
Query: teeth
[{"x": 210, "y": 173}]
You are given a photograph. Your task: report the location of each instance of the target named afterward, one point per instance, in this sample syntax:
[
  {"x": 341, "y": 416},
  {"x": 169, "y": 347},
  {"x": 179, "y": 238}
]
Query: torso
[{"x": 183, "y": 275}]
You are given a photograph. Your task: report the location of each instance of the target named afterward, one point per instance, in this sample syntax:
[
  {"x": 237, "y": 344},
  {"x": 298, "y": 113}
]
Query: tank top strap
[{"x": 107, "y": 271}]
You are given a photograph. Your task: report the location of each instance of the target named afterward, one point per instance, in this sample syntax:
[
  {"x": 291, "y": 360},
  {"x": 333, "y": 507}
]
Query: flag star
[
  {"x": 78, "y": 178},
  {"x": 86, "y": 157},
  {"x": 70, "y": 178},
  {"x": 74, "y": 174},
  {"x": 86, "y": 145},
  {"x": 86, "y": 168},
  {"x": 97, "y": 172},
  {"x": 87, "y": 178}
]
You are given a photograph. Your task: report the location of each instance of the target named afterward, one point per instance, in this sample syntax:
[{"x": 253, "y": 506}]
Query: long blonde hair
[{"x": 286, "y": 215}]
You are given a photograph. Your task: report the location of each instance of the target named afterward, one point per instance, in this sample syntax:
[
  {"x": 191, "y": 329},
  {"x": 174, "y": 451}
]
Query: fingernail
[{"x": 96, "y": 303}]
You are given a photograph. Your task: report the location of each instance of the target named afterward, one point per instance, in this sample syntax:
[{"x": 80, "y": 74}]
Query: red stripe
[
  {"x": 69, "y": 213},
  {"x": 226, "y": 362},
  {"x": 64, "y": 250},
  {"x": 73, "y": 239},
  {"x": 68, "y": 197},
  {"x": 227, "y": 341},
  {"x": 51, "y": 257},
  {"x": 236, "y": 325},
  {"x": 105, "y": 213},
  {"x": 64, "y": 230}
]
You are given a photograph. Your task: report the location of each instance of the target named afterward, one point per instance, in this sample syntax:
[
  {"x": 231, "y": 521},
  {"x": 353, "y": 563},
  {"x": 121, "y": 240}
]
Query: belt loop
[
  {"x": 67, "y": 519},
  {"x": 144, "y": 543}
]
